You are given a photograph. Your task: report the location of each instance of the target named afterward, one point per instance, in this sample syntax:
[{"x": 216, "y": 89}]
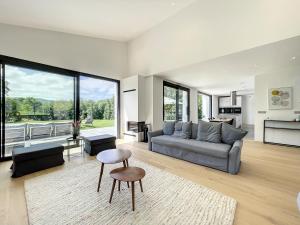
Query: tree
[
  {"x": 31, "y": 105},
  {"x": 6, "y": 88},
  {"x": 200, "y": 113}
]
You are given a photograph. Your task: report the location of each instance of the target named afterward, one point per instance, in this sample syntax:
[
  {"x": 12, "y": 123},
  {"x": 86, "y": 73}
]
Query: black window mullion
[
  {"x": 177, "y": 104},
  {"x": 77, "y": 97},
  {"x": 2, "y": 154}
]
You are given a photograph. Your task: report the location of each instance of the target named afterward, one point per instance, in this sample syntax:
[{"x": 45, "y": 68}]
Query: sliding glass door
[
  {"x": 204, "y": 106},
  {"x": 3, "y": 90},
  {"x": 98, "y": 108},
  {"x": 176, "y": 102},
  {"x": 39, "y": 104}
]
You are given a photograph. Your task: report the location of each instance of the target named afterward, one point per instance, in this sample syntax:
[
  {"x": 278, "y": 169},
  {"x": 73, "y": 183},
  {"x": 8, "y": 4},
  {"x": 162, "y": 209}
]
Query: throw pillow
[
  {"x": 186, "y": 130},
  {"x": 168, "y": 128},
  {"x": 178, "y": 129},
  {"x": 194, "y": 130},
  {"x": 209, "y": 131},
  {"x": 230, "y": 134},
  {"x": 183, "y": 130}
]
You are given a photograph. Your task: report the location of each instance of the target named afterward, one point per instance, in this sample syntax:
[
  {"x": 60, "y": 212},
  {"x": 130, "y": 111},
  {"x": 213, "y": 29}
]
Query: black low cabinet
[{"x": 38, "y": 157}]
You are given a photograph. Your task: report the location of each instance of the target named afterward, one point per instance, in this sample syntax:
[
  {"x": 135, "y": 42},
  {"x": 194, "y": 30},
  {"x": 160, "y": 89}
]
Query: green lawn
[{"x": 98, "y": 124}]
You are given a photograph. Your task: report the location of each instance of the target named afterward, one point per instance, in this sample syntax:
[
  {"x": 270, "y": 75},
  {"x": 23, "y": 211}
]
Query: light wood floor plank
[{"x": 266, "y": 188}]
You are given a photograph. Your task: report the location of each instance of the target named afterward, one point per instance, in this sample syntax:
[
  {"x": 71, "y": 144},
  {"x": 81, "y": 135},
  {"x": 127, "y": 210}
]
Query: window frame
[
  {"x": 210, "y": 103},
  {"x": 177, "y": 87},
  {"x": 6, "y": 60}
]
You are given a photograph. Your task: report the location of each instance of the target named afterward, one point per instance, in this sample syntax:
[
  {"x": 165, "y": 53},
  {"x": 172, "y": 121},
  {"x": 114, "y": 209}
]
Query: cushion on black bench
[
  {"x": 95, "y": 144},
  {"x": 36, "y": 151},
  {"x": 36, "y": 157}
]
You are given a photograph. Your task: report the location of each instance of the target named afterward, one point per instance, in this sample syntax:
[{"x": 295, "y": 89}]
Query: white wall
[
  {"x": 91, "y": 55},
  {"x": 209, "y": 29},
  {"x": 287, "y": 77},
  {"x": 248, "y": 109},
  {"x": 157, "y": 103},
  {"x": 215, "y": 106},
  {"x": 129, "y": 101},
  {"x": 194, "y": 105}
]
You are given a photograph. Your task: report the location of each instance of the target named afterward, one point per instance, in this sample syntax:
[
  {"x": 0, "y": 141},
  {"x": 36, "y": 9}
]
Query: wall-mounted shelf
[{"x": 281, "y": 137}]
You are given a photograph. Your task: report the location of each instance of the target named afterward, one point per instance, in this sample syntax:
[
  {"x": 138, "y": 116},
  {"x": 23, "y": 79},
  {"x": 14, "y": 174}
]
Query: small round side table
[
  {"x": 127, "y": 174},
  {"x": 112, "y": 156}
]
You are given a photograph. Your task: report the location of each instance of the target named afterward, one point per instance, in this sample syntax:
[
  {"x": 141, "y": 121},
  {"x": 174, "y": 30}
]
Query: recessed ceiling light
[{"x": 293, "y": 58}]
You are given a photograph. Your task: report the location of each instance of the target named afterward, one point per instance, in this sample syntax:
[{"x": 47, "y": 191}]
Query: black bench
[
  {"x": 36, "y": 157},
  {"x": 95, "y": 144}
]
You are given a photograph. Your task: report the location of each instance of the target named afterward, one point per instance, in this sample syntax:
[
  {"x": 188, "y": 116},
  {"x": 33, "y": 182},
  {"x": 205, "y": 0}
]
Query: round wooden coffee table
[
  {"x": 112, "y": 156},
  {"x": 127, "y": 174}
]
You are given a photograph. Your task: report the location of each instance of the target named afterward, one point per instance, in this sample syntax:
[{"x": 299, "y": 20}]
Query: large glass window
[
  {"x": 41, "y": 104},
  {"x": 176, "y": 102},
  {"x": 98, "y": 106},
  {"x": 204, "y": 106}
]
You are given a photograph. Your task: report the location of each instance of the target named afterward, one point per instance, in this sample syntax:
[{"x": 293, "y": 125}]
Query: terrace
[{"x": 37, "y": 132}]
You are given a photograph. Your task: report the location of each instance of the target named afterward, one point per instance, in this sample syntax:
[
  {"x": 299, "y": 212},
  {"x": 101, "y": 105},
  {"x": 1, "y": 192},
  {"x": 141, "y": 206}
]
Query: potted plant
[{"x": 76, "y": 128}]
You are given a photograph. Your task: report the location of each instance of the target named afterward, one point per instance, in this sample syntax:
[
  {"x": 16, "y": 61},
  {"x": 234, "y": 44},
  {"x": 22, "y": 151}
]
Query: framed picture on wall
[{"x": 280, "y": 98}]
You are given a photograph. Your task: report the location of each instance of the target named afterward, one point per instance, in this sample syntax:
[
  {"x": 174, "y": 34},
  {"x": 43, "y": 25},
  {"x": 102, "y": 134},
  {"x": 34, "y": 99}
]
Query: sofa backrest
[{"x": 194, "y": 130}]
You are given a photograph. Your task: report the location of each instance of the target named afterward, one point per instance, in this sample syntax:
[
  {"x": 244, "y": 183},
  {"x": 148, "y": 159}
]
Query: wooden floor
[{"x": 265, "y": 188}]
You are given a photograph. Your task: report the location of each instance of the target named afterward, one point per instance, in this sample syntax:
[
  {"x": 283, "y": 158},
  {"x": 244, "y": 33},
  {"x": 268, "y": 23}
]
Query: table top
[
  {"x": 112, "y": 156},
  {"x": 128, "y": 174}
]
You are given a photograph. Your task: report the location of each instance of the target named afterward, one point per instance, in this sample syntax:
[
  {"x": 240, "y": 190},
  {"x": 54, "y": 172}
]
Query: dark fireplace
[{"x": 135, "y": 127}]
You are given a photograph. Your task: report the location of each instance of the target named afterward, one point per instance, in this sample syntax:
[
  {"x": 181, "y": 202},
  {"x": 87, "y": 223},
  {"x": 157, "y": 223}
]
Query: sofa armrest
[
  {"x": 235, "y": 157},
  {"x": 152, "y": 134}
]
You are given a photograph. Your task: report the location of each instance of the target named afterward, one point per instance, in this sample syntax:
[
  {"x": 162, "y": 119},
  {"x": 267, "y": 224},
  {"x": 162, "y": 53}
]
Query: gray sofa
[{"x": 221, "y": 156}]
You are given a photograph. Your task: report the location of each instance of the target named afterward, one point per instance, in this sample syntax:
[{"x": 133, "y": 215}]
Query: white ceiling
[
  {"x": 237, "y": 71},
  {"x": 120, "y": 20}
]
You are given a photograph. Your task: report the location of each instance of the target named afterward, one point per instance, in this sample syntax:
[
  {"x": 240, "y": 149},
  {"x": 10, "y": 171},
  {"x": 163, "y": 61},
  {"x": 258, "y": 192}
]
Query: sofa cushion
[
  {"x": 194, "y": 130},
  {"x": 37, "y": 151},
  {"x": 99, "y": 139},
  {"x": 178, "y": 129},
  {"x": 219, "y": 150},
  {"x": 209, "y": 131},
  {"x": 230, "y": 134},
  {"x": 183, "y": 130},
  {"x": 168, "y": 128}
]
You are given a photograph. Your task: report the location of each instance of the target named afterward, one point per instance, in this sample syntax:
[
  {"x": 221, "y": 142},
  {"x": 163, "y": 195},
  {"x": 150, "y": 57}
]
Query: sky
[{"x": 32, "y": 83}]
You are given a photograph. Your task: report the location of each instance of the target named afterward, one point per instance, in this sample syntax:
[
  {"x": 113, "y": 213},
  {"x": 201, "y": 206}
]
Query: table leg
[
  {"x": 119, "y": 185},
  {"x": 124, "y": 164},
  {"x": 141, "y": 185},
  {"x": 127, "y": 162},
  {"x": 112, "y": 190},
  {"x": 100, "y": 177},
  {"x": 132, "y": 193}
]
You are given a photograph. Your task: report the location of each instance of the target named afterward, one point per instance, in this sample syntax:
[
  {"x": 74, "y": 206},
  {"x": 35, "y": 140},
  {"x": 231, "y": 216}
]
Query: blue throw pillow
[
  {"x": 168, "y": 128},
  {"x": 178, "y": 129},
  {"x": 209, "y": 131},
  {"x": 230, "y": 134},
  {"x": 183, "y": 130},
  {"x": 194, "y": 130}
]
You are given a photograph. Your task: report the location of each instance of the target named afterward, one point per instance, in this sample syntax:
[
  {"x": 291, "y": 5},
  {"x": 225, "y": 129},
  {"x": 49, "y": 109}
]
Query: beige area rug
[{"x": 69, "y": 197}]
